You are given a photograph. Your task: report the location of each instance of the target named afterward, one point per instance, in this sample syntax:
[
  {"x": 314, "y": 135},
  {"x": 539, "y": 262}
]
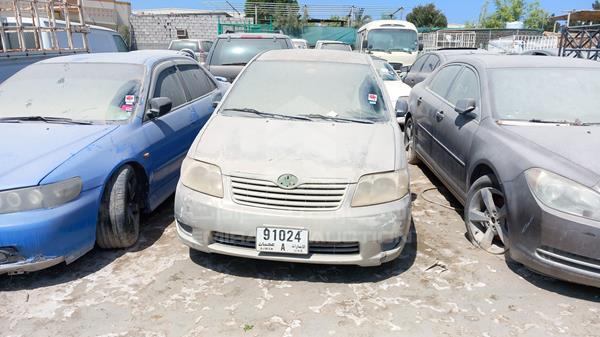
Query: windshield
[
  {"x": 393, "y": 40},
  {"x": 385, "y": 71},
  {"x": 548, "y": 94},
  {"x": 241, "y": 51},
  {"x": 179, "y": 45},
  {"x": 302, "y": 88},
  {"x": 93, "y": 92},
  {"x": 336, "y": 46}
]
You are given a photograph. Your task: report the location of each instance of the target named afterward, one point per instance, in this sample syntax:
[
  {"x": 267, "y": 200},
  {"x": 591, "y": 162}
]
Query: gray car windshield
[
  {"x": 547, "y": 94},
  {"x": 92, "y": 92},
  {"x": 304, "y": 88},
  {"x": 241, "y": 51},
  {"x": 336, "y": 46},
  {"x": 392, "y": 40},
  {"x": 179, "y": 45}
]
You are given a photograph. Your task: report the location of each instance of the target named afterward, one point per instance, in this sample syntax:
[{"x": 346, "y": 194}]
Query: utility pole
[
  {"x": 351, "y": 16},
  {"x": 255, "y": 14}
]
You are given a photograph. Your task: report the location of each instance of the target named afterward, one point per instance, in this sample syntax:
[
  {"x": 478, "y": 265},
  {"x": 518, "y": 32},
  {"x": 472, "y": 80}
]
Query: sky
[{"x": 457, "y": 11}]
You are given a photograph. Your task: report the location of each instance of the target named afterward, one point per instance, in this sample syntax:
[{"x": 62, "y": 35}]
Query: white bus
[{"x": 395, "y": 41}]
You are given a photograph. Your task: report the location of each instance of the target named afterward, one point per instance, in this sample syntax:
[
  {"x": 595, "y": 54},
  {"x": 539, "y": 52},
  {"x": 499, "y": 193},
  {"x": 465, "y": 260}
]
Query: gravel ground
[{"x": 441, "y": 286}]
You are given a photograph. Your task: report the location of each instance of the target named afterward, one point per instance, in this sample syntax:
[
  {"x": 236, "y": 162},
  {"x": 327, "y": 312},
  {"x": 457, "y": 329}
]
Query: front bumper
[
  {"x": 551, "y": 242},
  {"x": 200, "y": 216},
  {"x": 46, "y": 237}
]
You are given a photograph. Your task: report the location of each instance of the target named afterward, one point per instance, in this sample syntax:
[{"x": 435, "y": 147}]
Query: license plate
[{"x": 282, "y": 240}]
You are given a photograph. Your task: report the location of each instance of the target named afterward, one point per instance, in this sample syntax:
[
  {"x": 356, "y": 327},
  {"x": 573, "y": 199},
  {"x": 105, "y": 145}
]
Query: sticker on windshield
[
  {"x": 372, "y": 98},
  {"x": 129, "y": 99},
  {"x": 127, "y": 108}
]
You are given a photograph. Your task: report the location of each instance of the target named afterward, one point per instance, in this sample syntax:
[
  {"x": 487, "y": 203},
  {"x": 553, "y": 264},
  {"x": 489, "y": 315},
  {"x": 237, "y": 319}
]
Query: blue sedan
[{"x": 88, "y": 143}]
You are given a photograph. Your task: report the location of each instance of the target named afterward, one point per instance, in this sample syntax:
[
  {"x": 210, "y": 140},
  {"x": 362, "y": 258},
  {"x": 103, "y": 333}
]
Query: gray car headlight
[
  {"x": 563, "y": 194},
  {"x": 202, "y": 177},
  {"x": 43, "y": 196},
  {"x": 380, "y": 188}
]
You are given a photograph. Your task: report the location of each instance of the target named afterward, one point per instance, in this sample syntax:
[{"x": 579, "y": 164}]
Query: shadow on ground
[
  {"x": 283, "y": 271},
  {"x": 153, "y": 226}
]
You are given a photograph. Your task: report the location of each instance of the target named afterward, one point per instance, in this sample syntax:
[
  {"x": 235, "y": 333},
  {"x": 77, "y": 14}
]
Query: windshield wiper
[
  {"x": 267, "y": 114},
  {"x": 44, "y": 119},
  {"x": 234, "y": 64},
  {"x": 339, "y": 119}
]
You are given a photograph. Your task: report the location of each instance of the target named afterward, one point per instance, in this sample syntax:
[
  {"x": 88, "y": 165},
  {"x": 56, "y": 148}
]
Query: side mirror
[
  {"x": 221, "y": 79},
  {"x": 464, "y": 106},
  {"x": 420, "y": 46},
  {"x": 159, "y": 106},
  {"x": 401, "y": 107}
]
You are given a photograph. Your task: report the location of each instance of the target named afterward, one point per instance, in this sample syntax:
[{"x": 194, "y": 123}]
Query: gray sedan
[{"x": 517, "y": 145}]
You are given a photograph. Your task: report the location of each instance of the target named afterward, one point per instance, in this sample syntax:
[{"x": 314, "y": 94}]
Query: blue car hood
[{"x": 30, "y": 151}]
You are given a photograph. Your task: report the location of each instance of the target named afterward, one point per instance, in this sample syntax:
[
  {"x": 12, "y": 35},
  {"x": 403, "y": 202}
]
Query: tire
[
  {"x": 409, "y": 133},
  {"x": 486, "y": 216},
  {"x": 119, "y": 219}
]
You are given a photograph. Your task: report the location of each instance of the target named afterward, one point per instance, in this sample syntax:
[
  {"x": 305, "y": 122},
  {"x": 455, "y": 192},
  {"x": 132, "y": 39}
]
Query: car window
[
  {"x": 184, "y": 44},
  {"x": 440, "y": 84},
  {"x": 432, "y": 62},
  {"x": 240, "y": 51},
  {"x": 121, "y": 46},
  {"x": 206, "y": 45},
  {"x": 416, "y": 67},
  {"x": 168, "y": 85},
  {"x": 466, "y": 86},
  {"x": 196, "y": 81}
]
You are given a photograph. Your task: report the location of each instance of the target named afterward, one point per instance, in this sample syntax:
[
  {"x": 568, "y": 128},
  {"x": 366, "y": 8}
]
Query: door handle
[
  {"x": 439, "y": 115},
  {"x": 419, "y": 100}
]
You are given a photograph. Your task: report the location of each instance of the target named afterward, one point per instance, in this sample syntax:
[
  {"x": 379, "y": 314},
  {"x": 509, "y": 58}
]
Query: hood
[
  {"x": 30, "y": 151},
  {"x": 577, "y": 145},
  {"x": 396, "y": 89},
  {"x": 267, "y": 148},
  {"x": 406, "y": 58}
]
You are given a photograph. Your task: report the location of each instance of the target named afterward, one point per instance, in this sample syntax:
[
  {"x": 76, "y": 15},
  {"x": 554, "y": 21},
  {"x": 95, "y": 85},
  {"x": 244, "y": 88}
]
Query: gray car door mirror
[
  {"x": 401, "y": 107},
  {"x": 464, "y": 106},
  {"x": 159, "y": 106},
  {"x": 221, "y": 79}
]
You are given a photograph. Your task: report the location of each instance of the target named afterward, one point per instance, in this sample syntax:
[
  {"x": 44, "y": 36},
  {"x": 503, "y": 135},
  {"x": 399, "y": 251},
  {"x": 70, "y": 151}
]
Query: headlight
[
  {"x": 43, "y": 196},
  {"x": 202, "y": 177},
  {"x": 379, "y": 188},
  {"x": 563, "y": 194}
]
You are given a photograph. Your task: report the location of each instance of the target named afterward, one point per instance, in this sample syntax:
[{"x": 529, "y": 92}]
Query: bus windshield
[{"x": 389, "y": 40}]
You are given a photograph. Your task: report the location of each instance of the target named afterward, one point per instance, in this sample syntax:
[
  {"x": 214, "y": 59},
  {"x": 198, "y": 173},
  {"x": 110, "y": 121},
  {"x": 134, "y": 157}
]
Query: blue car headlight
[{"x": 43, "y": 196}]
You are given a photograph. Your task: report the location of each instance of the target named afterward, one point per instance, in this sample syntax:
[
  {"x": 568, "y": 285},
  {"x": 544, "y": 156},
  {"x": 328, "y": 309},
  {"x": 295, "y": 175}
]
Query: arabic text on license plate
[{"x": 282, "y": 240}]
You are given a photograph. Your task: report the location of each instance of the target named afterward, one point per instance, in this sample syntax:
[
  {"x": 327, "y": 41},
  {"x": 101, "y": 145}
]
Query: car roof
[
  {"x": 525, "y": 61},
  {"x": 453, "y": 53},
  {"x": 330, "y": 41},
  {"x": 316, "y": 55},
  {"x": 141, "y": 57},
  {"x": 254, "y": 35}
]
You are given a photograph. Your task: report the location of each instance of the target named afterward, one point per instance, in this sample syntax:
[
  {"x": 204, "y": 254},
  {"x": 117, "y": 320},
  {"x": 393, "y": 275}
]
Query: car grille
[
  {"x": 266, "y": 194},
  {"x": 314, "y": 247},
  {"x": 569, "y": 259}
]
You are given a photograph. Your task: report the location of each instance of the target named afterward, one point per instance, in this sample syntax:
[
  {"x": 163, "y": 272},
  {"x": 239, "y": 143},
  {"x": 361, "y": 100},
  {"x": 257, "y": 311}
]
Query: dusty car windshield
[
  {"x": 241, "y": 51},
  {"x": 336, "y": 46},
  {"x": 546, "y": 94},
  {"x": 79, "y": 91},
  {"x": 179, "y": 45},
  {"x": 302, "y": 88},
  {"x": 392, "y": 40},
  {"x": 386, "y": 71}
]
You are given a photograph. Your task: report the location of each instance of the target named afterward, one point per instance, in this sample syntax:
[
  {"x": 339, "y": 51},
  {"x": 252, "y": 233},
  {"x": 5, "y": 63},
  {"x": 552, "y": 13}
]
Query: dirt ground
[{"x": 441, "y": 286}]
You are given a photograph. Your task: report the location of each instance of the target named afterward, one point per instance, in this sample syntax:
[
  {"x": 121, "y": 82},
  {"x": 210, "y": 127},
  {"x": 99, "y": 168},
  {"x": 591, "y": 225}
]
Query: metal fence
[
  {"x": 448, "y": 39},
  {"x": 517, "y": 44},
  {"x": 581, "y": 42}
]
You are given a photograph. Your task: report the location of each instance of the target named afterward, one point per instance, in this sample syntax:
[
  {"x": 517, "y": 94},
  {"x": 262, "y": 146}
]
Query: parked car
[
  {"x": 232, "y": 52},
  {"x": 428, "y": 62},
  {"x": 199, "y": 47},
  {"x": 300, "y": 43},
  {"x": 315, "y": 172},
  {"x": 514, "y": 139},
  {"x": 394, "y": 87},
  {"x": 332, "y": 45},
  {"x": 99, "y": 141}
]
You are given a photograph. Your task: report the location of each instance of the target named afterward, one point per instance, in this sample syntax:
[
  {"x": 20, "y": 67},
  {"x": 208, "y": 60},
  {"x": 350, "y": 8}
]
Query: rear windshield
[
  {"x": 336, "y": 46},
  {"x": 179, "y": 45},
  {"x": 241, "y": 51}
]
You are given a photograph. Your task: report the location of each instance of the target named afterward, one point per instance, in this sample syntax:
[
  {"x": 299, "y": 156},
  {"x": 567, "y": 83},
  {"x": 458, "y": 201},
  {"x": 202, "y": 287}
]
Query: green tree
[
  {"x": 533, "y": 15},
  {"x": 427, "y": 16},
  {"x": 360, "y": 19},
  {"x": 537, "y": 17},
  {"x": 596, "y": 5}
]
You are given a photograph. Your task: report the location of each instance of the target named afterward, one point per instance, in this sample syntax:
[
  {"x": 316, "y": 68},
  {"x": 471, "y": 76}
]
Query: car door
[
  {"x": 169, "y": 135},
  {"x": 413, "y": 75},
  {"x": 430, "y": 104},
  {"x": 455, "y": 131}
]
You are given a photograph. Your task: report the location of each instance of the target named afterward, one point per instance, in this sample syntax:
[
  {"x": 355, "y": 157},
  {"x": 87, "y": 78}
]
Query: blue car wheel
[{"x": 119, "y": 220}]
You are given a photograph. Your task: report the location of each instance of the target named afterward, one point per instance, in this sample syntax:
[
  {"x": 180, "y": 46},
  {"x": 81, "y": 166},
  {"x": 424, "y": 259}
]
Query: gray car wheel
[
  {"x": 486, "y": 216},
  {"x": 409, "y": 133},
  {"x": 119, "y": 219}
]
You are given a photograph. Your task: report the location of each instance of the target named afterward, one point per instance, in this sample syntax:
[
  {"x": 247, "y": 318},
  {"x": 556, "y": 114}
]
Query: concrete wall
[{"x": 155, "y": 31}]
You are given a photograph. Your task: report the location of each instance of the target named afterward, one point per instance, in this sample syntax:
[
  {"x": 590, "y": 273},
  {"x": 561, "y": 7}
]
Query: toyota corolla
[{"x": 307, "y": 166}]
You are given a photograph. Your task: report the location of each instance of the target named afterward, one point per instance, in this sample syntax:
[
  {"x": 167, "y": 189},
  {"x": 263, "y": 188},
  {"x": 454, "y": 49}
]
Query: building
[{"x": 155, "y": 28}]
